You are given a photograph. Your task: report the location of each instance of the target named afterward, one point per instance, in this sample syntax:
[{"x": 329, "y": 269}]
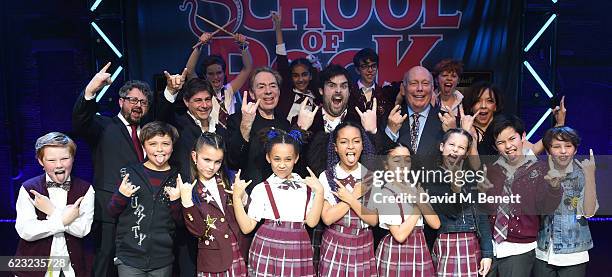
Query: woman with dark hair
[
  {"x": 300, "y": 75},
  {"x": 348, "y": 244},
  {"x": 484, "y": 101}
]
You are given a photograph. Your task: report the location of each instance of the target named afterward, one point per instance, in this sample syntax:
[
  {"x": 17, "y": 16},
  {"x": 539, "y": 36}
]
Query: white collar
[
  {"x": 274, "y": 179},
  {"x": 211, "y": 125},
  {"x": 360, "y": 85},
  {"x": 357, "y": 173},
  {"x": 124, "y": 120}
]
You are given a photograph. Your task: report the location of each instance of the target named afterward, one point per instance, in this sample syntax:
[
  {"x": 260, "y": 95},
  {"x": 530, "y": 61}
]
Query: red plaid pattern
[
  {"x": 281, "y": 249},
  {"x": 410, "y": 258},
  {"x": 347, "y": 249},
  {"x": 457, "y": 254}
]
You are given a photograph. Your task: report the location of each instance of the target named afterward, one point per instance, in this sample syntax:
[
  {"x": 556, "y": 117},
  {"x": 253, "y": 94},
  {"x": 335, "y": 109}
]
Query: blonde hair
[{"x": 54, "y": 139}]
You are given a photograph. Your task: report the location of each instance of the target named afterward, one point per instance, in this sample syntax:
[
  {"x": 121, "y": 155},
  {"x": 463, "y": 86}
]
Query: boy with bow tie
[{"x": 55, "y": 210}]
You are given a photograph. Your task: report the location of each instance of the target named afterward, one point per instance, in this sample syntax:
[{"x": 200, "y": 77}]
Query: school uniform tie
[
  {"x": 414, "y": 131},
  {"x": 223, "y": 114},
  {"x": 502, "y": 217},
  {"x": 136, "y": 143}
]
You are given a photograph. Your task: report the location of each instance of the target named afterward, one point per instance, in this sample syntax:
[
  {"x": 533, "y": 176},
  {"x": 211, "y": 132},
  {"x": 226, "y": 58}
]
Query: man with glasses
[
  {"x": 366, "y": 88},
  {"x": 114, "y": 143}
]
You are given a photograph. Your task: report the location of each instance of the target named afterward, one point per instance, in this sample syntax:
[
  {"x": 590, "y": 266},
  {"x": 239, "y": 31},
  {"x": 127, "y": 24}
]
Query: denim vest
[{"x": 569, "y": 233}]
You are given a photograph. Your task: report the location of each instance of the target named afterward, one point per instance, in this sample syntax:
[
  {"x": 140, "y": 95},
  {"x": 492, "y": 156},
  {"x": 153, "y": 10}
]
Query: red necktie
[{"x": 136, "y": 143}]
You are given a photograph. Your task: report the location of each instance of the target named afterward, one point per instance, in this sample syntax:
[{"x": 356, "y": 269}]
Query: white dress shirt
[
  {"x": 30, "y": 228},
  {"x": 289, "y": 202}
]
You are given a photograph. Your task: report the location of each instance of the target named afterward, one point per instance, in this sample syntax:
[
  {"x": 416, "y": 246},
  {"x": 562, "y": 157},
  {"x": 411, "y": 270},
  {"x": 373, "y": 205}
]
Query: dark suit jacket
[
  {"x": 111, "y": 146},
  {"x": 249, "y": 156},
  {"x": 428, "y": 150},
  {"x": 214, "y": 255}
]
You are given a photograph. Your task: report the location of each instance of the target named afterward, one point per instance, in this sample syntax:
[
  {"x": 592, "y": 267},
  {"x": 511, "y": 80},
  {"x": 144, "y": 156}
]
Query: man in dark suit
[
  {"x": 198, "y": 98},
  {"x": 114, "y": 143},
  {"x": 419, "y": 127}
]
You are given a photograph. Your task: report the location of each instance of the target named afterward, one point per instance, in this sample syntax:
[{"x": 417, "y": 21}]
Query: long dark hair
[
  {"x": 367, "y": 154},
  {"x": 215, "y": 141},
  {"x": 314, "y": 77}
]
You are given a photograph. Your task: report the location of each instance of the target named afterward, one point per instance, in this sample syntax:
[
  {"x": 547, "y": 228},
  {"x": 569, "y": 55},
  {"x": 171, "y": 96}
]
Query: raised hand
[
  {"x": 205, "y": 38},
  {"x": 467, "y": 121},
  {"x": 485, "y": 185},
  {"x": 240, "y": 38},
  {"x": 368, "y": 118},
  {"x": 174, "y": 193},
  {"x": 126, "y": 188},
  {"x": 98, "y": 81},
  {"x": 313, "y": 182},
  {"x": 175, "y": 82},
  {"x": 42, "y": 203},
  {"x": 588, "y": 165},
  {"x": 249, "y": 112},
  {"x": 239, "y": 187},
  {"x": 448, "y": 119},
  {"x": 559, "y": 112},
  {"x": 276, "y": 18},
  {"x": 343, "y": 194},
  {"x": 71, "y": 212},
  {"x": 553, "y": 176},
  {"x": 305, "y": 116},
  {"x": 396, "y": 119}
]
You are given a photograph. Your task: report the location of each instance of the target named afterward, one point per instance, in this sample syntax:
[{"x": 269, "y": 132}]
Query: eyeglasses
[
  {"x": 368, "y": 66},
  {"x": 135, "y": 100}
]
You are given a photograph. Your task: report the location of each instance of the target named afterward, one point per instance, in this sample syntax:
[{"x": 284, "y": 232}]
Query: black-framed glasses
[
  {"x": 372, "y": 66},
  {"x": 135, "y": 100}
]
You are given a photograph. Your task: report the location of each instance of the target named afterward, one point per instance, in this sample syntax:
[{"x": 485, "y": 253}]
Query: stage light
[
  {"x": 538, "y": 79},
  {"x": 539, "y": 33},
  {"x": 113, "y": 77},
  {"x": 95, "y": 5},
  {"x": 105, "y": 38},
  {"x": 539, "y": 123}
]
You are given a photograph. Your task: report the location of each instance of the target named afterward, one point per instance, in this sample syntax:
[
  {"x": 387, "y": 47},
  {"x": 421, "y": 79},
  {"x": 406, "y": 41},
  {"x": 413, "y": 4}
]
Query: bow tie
[
  {"x": 287, "y": 184},
  {"x": 65, "y": 186},
  {"x": 348, "y": 181}
]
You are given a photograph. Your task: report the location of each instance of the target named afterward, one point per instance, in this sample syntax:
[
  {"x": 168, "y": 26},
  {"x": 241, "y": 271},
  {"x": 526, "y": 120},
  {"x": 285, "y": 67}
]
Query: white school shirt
[
  {"x": 30, "y": 228},
  {"x": 290, "y": 202},
  {"x": 229, "y": 103},
  {"x": 213, "y": 188},
  {"x": 341, "y": 174},
  {"x": 389, "y": 213}
]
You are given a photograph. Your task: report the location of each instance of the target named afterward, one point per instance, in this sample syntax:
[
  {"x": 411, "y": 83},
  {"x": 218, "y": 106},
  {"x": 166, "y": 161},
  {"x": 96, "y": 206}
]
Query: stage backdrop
[{"x": 485, "y": 35}]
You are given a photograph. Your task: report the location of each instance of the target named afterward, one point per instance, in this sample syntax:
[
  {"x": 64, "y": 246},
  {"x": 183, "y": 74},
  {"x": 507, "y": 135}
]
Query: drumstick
[
  {"x": 215, "y": 32},
  {"x": 215, "y": 25}
]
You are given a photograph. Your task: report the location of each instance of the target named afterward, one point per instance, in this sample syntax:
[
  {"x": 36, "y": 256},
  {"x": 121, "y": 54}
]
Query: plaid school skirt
[
  {"x": 281, "y": 249},
  {"x": 238, "y": 267},
  {"x": 457, "y": 254},
  {"x": 410, "y": 258},
  {"x": 347, "y": 252}
]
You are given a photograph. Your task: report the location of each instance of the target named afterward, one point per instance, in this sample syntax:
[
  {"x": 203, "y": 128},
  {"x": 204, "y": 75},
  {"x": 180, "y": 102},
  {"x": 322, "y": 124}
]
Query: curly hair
[{"x": 367, "y": 153}]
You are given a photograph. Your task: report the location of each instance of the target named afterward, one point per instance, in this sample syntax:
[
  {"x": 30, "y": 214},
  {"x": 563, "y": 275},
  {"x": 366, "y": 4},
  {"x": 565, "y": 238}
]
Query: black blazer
[
  {"x": 111, "y": 146},
  {"x": 428, "y": 150}
]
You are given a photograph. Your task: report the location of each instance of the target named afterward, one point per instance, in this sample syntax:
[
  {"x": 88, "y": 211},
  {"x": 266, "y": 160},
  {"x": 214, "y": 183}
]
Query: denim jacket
[
  {"x": 462, "y": 217},
  {"x": 568, "y": 227}
]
